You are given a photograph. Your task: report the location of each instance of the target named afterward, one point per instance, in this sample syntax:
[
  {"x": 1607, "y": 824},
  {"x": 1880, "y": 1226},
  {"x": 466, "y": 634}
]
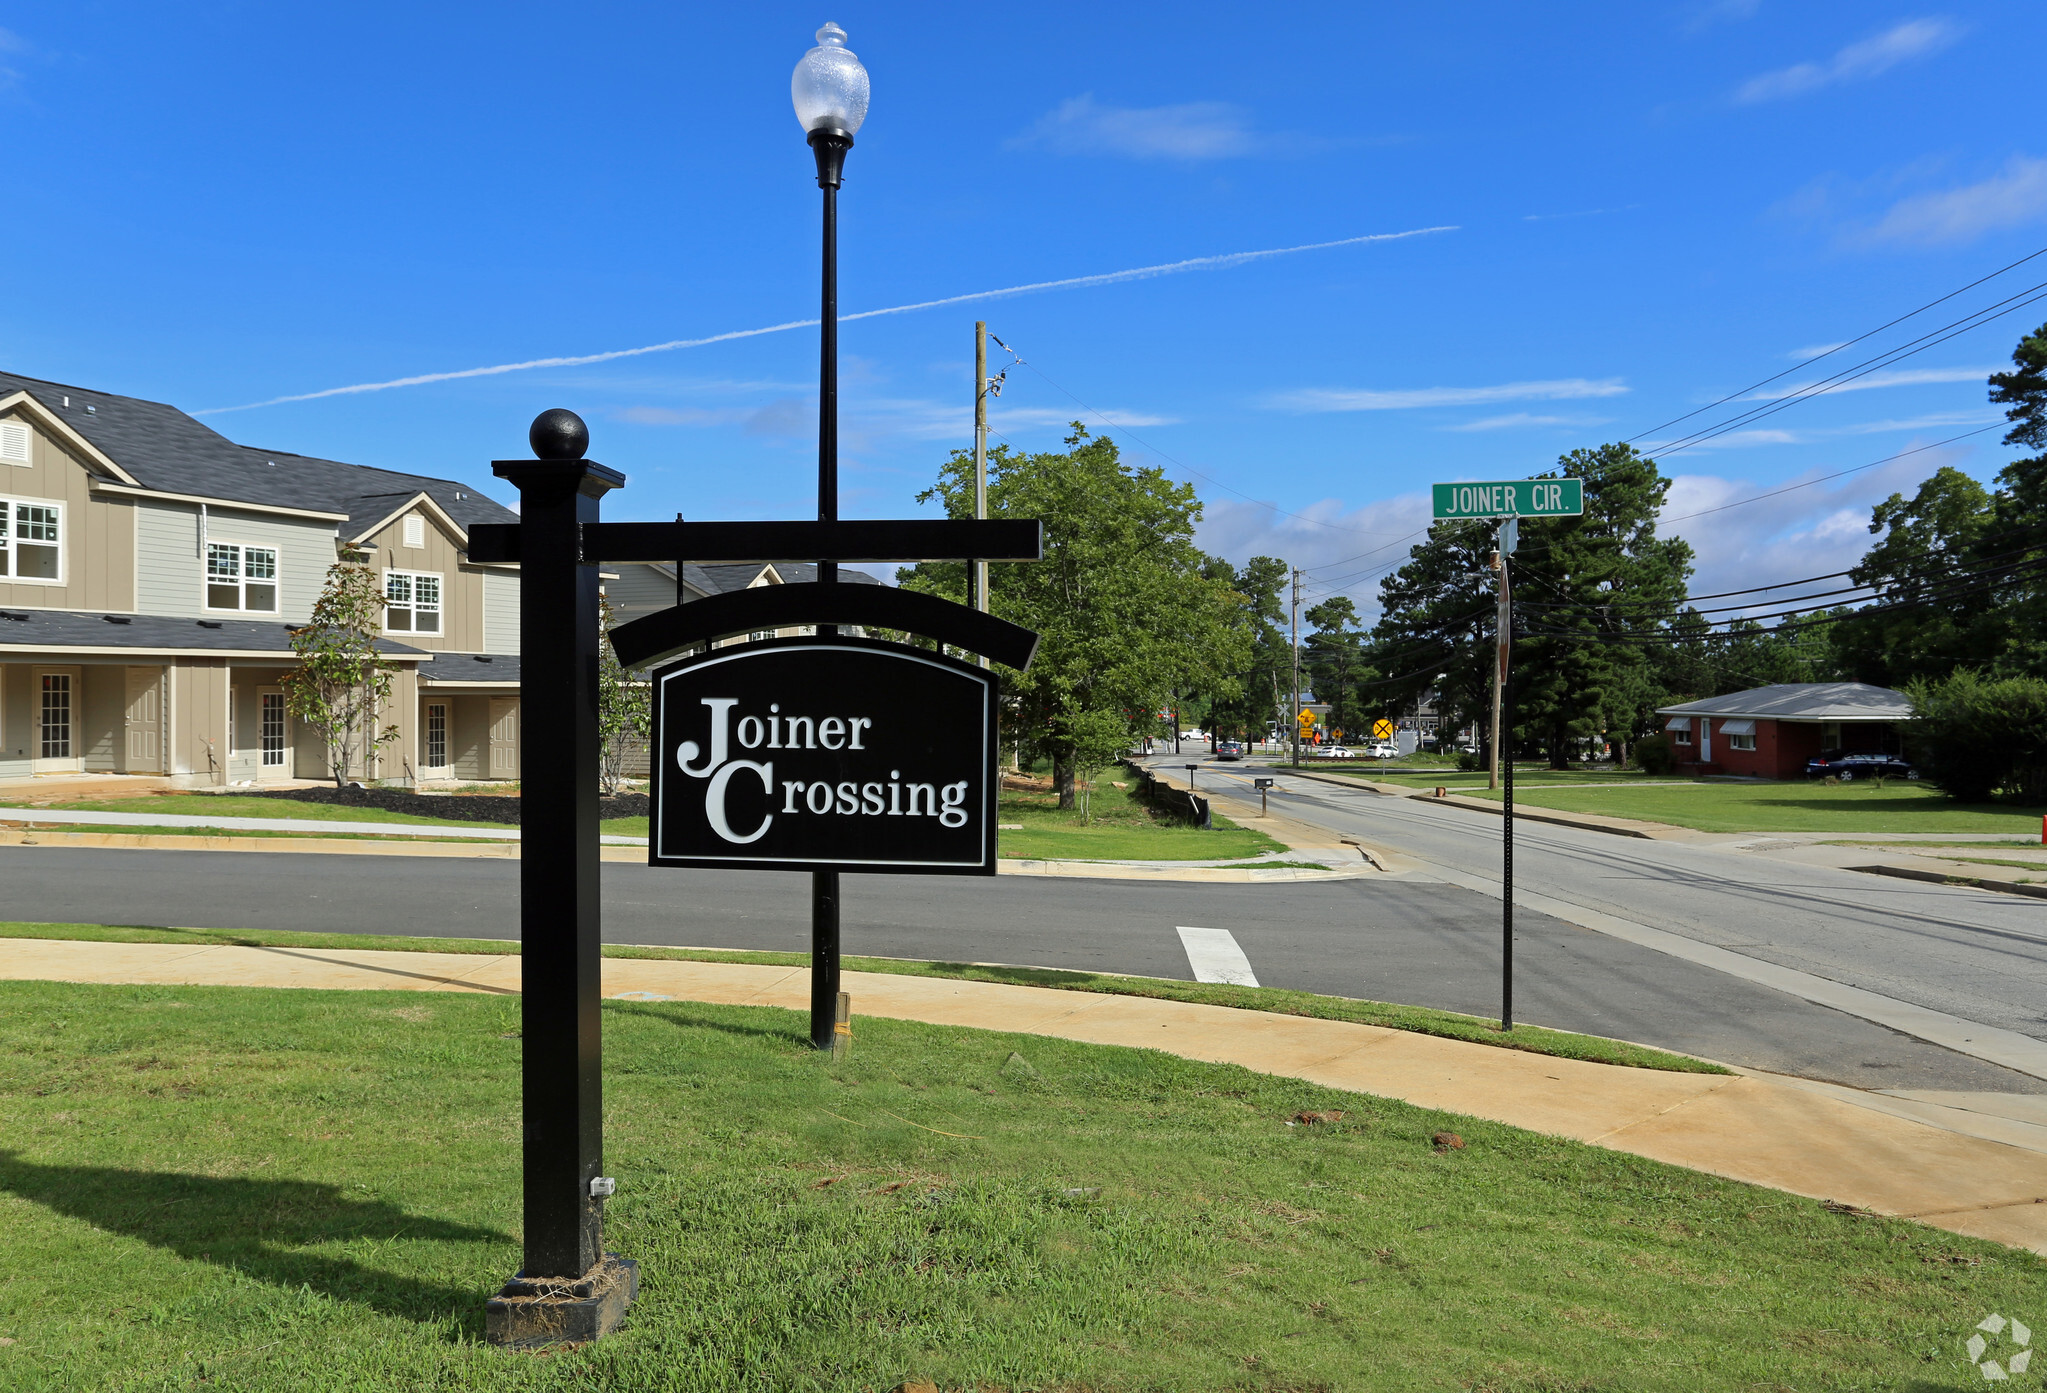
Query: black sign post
[
  {"x": 568, "y": 1287},
  {"x": 902, "y": 738}
]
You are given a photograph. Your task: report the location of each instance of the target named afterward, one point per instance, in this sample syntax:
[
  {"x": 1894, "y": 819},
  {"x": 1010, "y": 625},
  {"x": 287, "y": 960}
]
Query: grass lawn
[
  {"x": 228, "y": 805},
  {"x": 1119, "y": 829},
  {"x": 284, "y": 1190},
  {"x": 1422, "y": 1019},
  {"x": 1785, "y": 807}
]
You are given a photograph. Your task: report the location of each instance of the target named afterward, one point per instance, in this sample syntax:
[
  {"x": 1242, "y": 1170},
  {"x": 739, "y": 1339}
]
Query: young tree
[
  {"x": 1124, "y": 613},
  {"x": 343, "y": 682},
  {"x": 625, "y": 705}
]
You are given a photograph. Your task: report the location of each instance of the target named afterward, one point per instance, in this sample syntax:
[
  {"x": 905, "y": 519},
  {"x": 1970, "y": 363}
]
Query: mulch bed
[{"x": 442, "y": 807}]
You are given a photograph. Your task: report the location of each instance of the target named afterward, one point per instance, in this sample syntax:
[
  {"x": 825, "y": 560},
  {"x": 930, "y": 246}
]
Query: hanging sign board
[{"x": 824, "y": 754}]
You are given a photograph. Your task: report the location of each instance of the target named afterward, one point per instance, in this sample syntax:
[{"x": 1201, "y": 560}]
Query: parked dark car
[
  {"x": 1229, "y": 749},
  {"x": 1849, "y": 765}
]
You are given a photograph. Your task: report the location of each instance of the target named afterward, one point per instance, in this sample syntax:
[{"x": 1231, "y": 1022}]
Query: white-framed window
[
  {"x": 31, "y": 541},
  {"x": 15, "y": 443},
  {"x": 1741, "y": 742},
  {"x": 1681, "y": 737},
  {"x": 1741, "y": 734},
  {"x": 412, "y": 602},
  {"x": 414, "y": 528},
  {"x": 273, "y": 729},
  {"x": 436, "y": 735},
  {"x": 241, "y": 578}
]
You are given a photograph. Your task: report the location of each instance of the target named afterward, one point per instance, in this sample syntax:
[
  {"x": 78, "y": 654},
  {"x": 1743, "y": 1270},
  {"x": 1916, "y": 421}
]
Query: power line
[
  {"x": 1847, "y": 375},
  {"x": 1839, "y": 346}
]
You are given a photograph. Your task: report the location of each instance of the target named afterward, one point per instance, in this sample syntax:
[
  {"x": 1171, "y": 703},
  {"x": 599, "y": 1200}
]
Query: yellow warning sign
[
  {"x": 1382, "y": 730},
  {"x": 1307, "y": 719}
]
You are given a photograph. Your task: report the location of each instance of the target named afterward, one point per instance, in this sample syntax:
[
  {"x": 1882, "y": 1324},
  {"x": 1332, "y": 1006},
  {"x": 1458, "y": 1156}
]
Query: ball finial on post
[{"x": 558, "y": 434}]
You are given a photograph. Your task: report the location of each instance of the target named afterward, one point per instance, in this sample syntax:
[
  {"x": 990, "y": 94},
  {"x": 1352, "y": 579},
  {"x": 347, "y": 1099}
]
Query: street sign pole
[
  {"x": 1507, "y": 502},
  {"x": 1506, "y": 720}
]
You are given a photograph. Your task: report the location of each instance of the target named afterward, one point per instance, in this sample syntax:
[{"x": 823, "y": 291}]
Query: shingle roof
[
  {"x": 1803, "y": 701},
  {"x": 723, "y": 577},
  {"x": 167, "y": 450},
  {"x": 54, "y": 628},
  {"x": 470, "y": 667}
]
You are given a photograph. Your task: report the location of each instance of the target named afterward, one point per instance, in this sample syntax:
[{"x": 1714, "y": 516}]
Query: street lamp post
[{"x": 829, "y": 91}]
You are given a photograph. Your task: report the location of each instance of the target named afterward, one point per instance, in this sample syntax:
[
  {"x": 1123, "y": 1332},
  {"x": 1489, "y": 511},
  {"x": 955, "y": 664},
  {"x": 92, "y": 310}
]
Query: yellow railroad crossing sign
[{"x": 1382, "y": 730}]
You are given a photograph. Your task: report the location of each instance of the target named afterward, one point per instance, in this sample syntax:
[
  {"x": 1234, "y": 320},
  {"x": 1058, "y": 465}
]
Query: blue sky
[{"x": 1650, "y": 206}]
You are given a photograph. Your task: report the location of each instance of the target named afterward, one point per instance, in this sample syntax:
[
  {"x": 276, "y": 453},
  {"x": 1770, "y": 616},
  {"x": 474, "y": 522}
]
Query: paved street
[
  {"x": 1391, "y": 940},
  {"x": 1976, "y": 954}
]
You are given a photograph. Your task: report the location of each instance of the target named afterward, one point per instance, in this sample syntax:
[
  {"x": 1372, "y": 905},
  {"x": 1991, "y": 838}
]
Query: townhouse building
[{"x": 151, "y": 572}]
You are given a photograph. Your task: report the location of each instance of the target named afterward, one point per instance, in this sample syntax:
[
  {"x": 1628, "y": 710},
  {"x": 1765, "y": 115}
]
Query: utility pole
[
  {"x": 977, "y": 571},
  {"x": 1294, "y": 625}
]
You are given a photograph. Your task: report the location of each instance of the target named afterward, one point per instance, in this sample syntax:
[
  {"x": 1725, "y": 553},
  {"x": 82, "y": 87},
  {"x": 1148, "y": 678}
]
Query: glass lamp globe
[{"x": 829, "y": 86}]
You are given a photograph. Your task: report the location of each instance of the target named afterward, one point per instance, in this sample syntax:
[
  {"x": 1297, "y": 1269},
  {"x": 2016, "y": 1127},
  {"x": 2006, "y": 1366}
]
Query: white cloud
[
  {"x": 2011, "y": 199},
  {"x": 1916, "y": 38},
  {"x": 1188, "y": 131},
  {"x": 1360, "y": 399},
  {"x": 1522, "y": 419},
  {"x": 1734, "y": 440},
  {"x": 1904, "y": 377},
  {"x": 1800, "y": 355}
]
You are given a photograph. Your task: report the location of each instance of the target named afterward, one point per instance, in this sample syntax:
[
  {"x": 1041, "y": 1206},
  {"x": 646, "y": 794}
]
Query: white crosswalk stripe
[{"x": 1215, "y": 957}]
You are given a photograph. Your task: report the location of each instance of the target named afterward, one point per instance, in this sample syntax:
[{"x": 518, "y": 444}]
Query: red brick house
[{"x": 1770, "y": 732}]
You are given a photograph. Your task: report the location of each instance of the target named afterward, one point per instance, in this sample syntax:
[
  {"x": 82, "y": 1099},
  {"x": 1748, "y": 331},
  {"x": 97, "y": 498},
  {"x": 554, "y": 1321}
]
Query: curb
[
  {"x": 2009, "y": 887},
  {"x": 1618, "y": 827}
]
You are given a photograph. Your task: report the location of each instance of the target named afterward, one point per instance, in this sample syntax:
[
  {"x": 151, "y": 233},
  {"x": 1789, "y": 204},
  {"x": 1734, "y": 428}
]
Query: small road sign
[
  {"x": 1382, "y": 730},
  {"x": 1525, "y": 498}
]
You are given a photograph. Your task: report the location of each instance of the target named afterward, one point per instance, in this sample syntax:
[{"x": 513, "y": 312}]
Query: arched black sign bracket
[{"x": 667, "y": 632}]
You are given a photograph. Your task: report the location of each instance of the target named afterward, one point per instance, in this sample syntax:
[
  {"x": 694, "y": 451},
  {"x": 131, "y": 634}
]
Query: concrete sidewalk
[{"x": 1970, "y": 1164}]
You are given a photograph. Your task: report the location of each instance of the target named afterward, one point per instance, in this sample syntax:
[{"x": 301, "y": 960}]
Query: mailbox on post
[{"x": 1263, "y": 786}]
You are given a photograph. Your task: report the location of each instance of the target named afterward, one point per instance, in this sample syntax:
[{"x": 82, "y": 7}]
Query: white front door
[
  {"x": 144, "y": 722},
  {"x": 273, "y": 734},
  {"x": 56, "y": 733},
  {"x": 434, "y": 757},
  {"x": 504, "y": 737}
]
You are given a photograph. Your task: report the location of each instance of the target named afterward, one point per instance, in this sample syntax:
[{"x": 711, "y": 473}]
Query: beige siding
[
  {"x": 469, "y": 736},
  {"x": 461, "y": 585},
  {"x": 98, "y": 537},
  {"x": 101, "y": 713},
  {"x": 500, "y": 612},
  {"x": 17, "y": 720},
  {"x": 199, "y": 688},
  {"x": 173, "y": 565}
]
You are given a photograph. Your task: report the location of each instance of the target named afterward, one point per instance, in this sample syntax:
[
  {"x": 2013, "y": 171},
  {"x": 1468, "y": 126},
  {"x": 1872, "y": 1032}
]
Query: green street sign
[{"x": 1514, "y": 498}]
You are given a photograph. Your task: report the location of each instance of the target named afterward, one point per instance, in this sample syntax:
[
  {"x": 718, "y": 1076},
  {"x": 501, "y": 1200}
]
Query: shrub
[
  {"x": 1653, "y": 755},
  {"x": 1470, "y": 761},
  {"x": 1976, "y": 736}
]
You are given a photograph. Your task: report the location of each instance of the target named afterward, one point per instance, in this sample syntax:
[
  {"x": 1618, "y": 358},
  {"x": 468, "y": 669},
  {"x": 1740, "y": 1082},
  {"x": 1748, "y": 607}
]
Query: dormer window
[
  {"x": 412, "y": 602},
  {"x": 31, "y": 540},
  {"x": 241, "y": 578}
]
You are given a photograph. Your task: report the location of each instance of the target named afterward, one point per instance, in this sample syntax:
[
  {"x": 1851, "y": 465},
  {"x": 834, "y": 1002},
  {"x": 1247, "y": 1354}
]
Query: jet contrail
[{"x": 1170, "y": 268}]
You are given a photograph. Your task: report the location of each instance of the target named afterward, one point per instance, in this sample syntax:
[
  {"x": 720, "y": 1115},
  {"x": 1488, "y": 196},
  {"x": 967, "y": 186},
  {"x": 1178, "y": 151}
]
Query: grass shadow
[
  {"x": 256, "y": 1227},
  {"x": 677, "y": 1014},
  {"x": 1023, "y": 976}
]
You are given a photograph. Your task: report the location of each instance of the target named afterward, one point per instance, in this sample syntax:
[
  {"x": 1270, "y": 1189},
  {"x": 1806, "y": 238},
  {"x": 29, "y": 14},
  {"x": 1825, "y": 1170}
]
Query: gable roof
[
  {"x": 1803, "y": 701},
  {"x": 167, "y": 451}
]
